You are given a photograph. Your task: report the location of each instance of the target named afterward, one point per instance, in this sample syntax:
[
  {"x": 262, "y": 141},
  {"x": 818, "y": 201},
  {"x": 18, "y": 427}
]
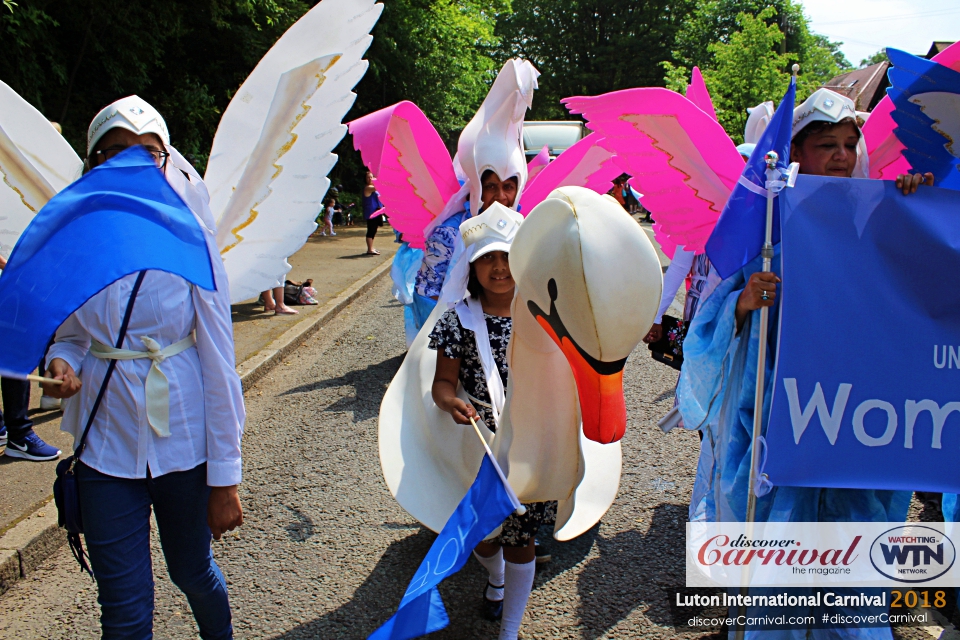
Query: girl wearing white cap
[
  {"x": 826, "y": 141},
  {"x": 471, "y": 343},
  {"x": 167, "y": 434}
]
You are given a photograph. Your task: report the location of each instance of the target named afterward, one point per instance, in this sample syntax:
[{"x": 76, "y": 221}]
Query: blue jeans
[{"x": 116, "y": 522}]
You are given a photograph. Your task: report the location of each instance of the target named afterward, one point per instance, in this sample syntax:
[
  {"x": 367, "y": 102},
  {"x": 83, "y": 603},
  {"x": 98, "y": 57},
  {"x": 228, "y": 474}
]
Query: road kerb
[
  {"x": 36, "y": 537},
  {"x": 257, "y": 365},
  {"x": 29, "y": 543}
]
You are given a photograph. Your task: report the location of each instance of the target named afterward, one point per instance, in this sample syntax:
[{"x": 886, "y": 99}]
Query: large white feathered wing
[
  {"x": 35, "y": 163},
  {"x": 272, "y": 152}
]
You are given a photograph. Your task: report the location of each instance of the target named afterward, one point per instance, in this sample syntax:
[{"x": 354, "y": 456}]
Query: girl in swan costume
[
  {"x": 471, "y": 343},
  {"x": 587, "y": 286},
  {"x": 270, "y": 157}
]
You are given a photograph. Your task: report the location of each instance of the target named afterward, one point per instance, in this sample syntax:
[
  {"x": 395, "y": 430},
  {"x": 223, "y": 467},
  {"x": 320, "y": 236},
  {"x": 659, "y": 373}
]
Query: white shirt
[
  {"x": 673, "y": 278},
  {"x": 206, "y": 399}
]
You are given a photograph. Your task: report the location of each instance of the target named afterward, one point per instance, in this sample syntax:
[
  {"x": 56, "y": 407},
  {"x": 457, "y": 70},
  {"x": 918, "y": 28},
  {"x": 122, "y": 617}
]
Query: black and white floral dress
[{"x": 450, "y": 338}]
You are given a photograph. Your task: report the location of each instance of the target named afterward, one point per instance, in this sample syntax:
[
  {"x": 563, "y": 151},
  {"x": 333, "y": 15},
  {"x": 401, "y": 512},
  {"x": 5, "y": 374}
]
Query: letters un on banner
[
  {"x": 819, "y": 554},
  {"x": 867, "y": 385}
]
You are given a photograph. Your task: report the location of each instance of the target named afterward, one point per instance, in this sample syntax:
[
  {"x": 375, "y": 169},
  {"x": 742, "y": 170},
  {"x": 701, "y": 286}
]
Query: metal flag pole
[
  {"x": 767, "y": 252},
  {"x": 772, "y": 174}
]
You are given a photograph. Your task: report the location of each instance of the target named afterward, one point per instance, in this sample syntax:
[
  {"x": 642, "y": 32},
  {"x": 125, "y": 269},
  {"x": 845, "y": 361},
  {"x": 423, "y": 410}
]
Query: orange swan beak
[{"x": 599, "y": 383}]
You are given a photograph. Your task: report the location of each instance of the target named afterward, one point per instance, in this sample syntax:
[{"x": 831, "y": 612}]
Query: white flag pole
[
  {"x": 519, "y": 509},
  {"x": 773, "y": 175}
]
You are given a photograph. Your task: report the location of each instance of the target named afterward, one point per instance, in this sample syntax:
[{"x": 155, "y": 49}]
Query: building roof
[
  {"x": 936, "y": 48},
  {"x": 866, "y": 87}
]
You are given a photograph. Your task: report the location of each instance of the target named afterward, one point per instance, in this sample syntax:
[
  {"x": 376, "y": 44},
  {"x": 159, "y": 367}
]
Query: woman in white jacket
[{"x": 167, "y": 433}]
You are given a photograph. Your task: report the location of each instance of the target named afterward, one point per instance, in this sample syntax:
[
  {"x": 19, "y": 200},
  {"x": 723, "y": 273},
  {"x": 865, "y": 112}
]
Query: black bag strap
[{"x": 111, "y": 366}]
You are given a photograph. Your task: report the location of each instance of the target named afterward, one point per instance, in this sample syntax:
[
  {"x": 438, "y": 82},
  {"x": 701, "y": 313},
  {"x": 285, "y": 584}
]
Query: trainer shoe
[
  {"x": 32, "y": 448},
  {"x": 48, "y": 403},
  {"x": 3, "y": 436}
]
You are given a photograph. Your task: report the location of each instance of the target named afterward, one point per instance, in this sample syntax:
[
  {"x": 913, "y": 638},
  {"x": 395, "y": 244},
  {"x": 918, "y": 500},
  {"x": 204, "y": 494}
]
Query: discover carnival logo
[
  {"x": 913, "y": 554},
  {"x": 744, "y": 551}
]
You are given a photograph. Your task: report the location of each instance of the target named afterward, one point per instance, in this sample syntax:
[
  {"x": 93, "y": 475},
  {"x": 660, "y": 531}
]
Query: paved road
[{"x": 325, "y": 551}]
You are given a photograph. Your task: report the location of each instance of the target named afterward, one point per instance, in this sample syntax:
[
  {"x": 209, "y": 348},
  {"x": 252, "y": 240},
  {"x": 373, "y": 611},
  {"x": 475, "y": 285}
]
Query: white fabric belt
[{"x": 157, "y": 387}]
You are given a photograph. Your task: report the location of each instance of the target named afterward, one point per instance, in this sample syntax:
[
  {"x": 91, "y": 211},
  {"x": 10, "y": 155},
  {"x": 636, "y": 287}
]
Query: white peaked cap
[
  {"x": 132, "y": 113},
  {"x": 492, "y": 230},
  {"x": 757, "y": 121},
  {"x": 493, "y": 139},
  {"x": 823, "y": 105}
]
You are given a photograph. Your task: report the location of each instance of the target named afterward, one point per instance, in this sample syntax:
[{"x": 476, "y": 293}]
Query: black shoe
[
  {"x": 541, "y": 555},
  {"x": 492, "y": 609}
]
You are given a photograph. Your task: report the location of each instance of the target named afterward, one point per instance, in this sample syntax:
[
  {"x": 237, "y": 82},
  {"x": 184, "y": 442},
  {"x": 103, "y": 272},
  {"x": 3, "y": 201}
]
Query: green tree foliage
[
  {"x": 745, "y": 49},
  {"x": 435, "y": 53},
  {"x": 69, "y": 59},
  {"x": 878, "y": 57},
  {"x": 588, "y": 47}
]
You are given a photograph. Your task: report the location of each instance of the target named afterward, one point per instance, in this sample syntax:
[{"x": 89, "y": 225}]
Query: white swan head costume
[
  {"x": 493, "y": 139},
  {"x": 588, "y": 288}
]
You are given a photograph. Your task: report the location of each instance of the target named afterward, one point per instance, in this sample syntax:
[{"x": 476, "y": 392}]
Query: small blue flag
[
  {"x": 738, "y": 236},
  {"x": 120, "y": 218},
  {"x": 925, "y": 92},
  {"x": 482, "y": 510}
]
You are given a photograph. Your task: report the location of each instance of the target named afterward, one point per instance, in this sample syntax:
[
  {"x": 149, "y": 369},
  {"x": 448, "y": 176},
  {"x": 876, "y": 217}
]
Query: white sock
[
  {"x": 516, "y": 591},
  {"x": 494, "y": 566}
]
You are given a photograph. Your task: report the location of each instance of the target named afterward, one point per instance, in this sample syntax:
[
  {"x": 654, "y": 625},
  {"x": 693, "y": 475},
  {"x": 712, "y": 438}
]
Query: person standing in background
[
  {"x": 371, "y": 212},
  {"x": 16, "y": 428},
  {"x": 328, "y": 218}
]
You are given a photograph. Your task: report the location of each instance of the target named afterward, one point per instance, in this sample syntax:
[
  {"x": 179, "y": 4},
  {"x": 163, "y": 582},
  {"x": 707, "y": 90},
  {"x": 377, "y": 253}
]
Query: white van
[{"x": 556, "y": 135}]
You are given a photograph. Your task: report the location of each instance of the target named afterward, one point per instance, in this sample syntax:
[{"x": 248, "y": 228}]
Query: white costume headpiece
[
  {"x": 757, "y": 121},
  {"x": 825, "y": 105},
  {"x": 493, "y": 139},
  {"x": 492, "y": 230},
  {"x": 132, "y": 113}
]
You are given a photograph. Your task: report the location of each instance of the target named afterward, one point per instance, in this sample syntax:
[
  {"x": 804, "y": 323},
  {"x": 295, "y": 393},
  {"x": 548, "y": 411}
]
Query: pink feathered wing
[
  {"x": 680, "y": 158},
  {"x": 585, "y": 164},
  {"x": 697, "y": 93},
  {"x": 883, "y": 148},
  {"x": 539, "y": 161},
  {"x": 411, "y": 166}
]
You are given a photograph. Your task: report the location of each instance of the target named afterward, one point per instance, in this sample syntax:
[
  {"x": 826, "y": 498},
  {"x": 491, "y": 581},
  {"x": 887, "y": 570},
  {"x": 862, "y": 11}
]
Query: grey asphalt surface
[{"x": 325, "y": 551}]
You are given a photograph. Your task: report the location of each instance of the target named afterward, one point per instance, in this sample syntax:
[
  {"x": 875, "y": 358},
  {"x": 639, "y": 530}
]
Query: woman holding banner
[
  {"x": 718, "y": 381},
  {"x": 826, "y": 142}
]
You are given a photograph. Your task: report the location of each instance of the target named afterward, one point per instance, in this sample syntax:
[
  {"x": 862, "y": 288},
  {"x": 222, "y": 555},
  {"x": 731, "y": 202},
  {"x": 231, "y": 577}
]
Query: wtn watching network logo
[{"x": 912, "y": 553}]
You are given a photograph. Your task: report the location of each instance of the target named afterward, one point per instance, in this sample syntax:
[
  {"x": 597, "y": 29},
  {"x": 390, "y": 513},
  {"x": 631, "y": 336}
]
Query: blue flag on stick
[
  {"x": 738, "y": 236},
  {"x": 482, "y": 510},
  {"x": 120, "y": 218}
]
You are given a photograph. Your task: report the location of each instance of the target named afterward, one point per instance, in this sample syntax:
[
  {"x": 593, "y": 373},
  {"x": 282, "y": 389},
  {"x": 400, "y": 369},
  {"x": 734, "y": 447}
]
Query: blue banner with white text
[{"x": 867, "y": 388}]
